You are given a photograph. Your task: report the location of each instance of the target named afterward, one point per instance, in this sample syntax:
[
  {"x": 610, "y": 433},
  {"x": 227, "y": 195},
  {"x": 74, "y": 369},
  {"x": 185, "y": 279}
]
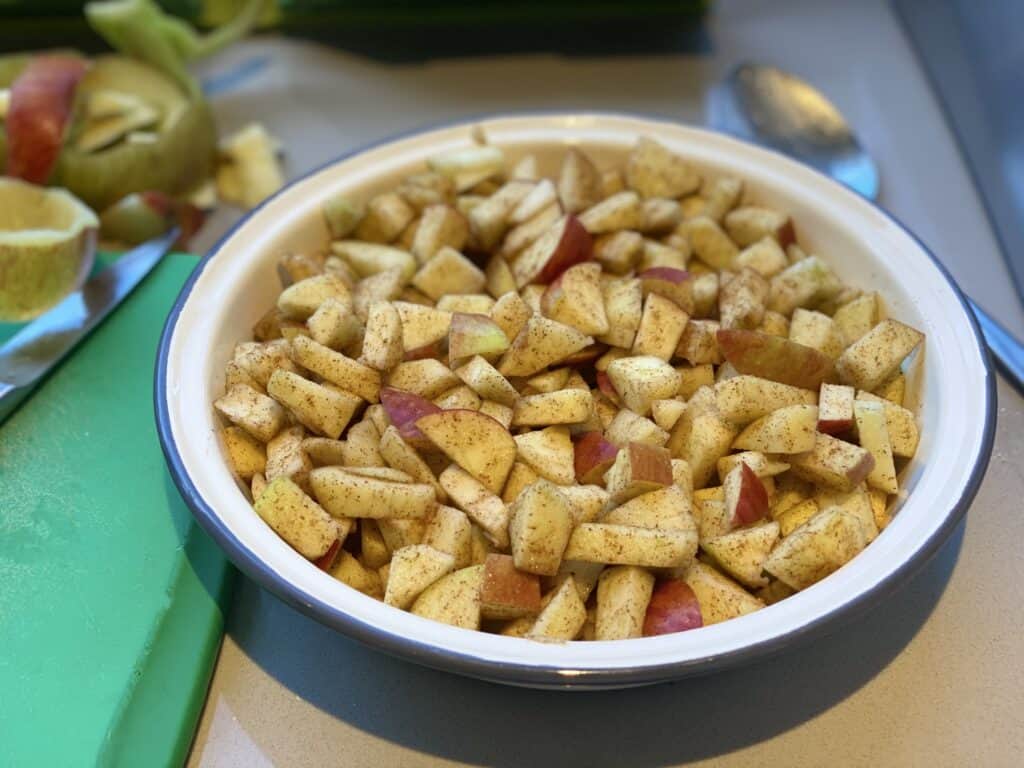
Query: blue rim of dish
[{"x": 526, "y": 674}]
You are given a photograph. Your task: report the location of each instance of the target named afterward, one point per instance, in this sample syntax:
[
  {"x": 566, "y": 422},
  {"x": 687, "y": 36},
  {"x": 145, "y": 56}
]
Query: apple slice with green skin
[
  {"x": 775, "y": 358},
  {"x": 474, "y": 441},
  {"x": 47, "y": 247},
  {"x": 564, "y": 244},
  {"x": 472, "y": 335},
  {"x": 593, "y": 455},
  {"x": 746, "y": 499},
  {"x": 673, "y": 608},
  {"x": 41, "y": 102},
  {"x": 672, "y": 283},
  {"x": 404, "y": 409}
]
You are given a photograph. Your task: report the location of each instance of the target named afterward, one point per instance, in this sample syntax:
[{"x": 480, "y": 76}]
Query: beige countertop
[{"x": 933, "y": 676}]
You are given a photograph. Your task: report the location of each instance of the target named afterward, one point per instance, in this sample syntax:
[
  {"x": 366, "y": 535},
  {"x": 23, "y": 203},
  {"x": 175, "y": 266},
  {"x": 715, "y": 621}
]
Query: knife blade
[{"x": 35, "y": 349}]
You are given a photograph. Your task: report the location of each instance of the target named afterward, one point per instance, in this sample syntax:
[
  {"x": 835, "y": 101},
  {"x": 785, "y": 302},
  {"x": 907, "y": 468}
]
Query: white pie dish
[{"x": 237, "y": 281}]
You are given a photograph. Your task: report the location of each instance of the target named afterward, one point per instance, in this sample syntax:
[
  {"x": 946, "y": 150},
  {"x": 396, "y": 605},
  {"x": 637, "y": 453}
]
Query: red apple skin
[
  {"x": 574, "y": 247},
  {"x": 752, "y": 501},
  {"x": 604, "y": 383},
  {"x": 786, "y": 234},
  {"x": 40, "y": 108},
  {"x": 422, "y": 353},
  {"x": 834, "y": 426},
  {"x": 403, "y": 409},
  {"x": 673, "y": 608},
  {"x": 592, "y": 455},
  {"x": 324, "y": 563},
  {"x": 775, "y": 358},
  {"x": 674, "y": 284}
]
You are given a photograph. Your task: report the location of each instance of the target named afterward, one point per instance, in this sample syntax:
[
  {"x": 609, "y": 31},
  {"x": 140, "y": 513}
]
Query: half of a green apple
[{"x": 47, "y": 247}]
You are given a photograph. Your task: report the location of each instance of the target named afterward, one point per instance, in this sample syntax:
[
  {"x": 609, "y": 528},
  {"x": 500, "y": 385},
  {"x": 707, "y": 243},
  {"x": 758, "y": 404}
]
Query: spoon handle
[{"x": 1006, "y": 348}]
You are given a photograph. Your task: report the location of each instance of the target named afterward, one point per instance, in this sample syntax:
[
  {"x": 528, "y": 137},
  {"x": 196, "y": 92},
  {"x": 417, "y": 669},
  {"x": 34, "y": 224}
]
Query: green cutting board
[{"x": 111, "y": 597}]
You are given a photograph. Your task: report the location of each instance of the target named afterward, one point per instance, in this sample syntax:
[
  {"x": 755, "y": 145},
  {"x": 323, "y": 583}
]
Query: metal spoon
[{"x": 768, "y": 106}]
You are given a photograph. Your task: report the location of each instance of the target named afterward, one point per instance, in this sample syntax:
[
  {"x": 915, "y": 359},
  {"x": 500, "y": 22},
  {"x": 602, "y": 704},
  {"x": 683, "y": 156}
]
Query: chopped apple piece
[
  {"x": 321, "y": 409},
  {"x": 449, "y": 530},
  {"x": 627, "y": 427},
  {"x": 453, "y": 599},
  {"x": 642, "y": 380},
  {"x": 520, "y": 477},
  {"x": 336, "y": 368},
  {"x": 460, "y": 397},
  {"x": 623, "y": 303},
  {"x": 549, "y": 452},
  {"x": 815, "y": 330},
  {"x": 742, "y": 553},
  {"x": 566, "y": 406},
  {"x": 549, "y": 381},
  {"x": 709, "y": 243},
  {"x": 367, "y": 259},
  {"x": 793, "y": 517},
  {"x": 386, "y": 216},
  {"x": 448, "y": 271},
  {"x": 422, "y": 326},
  {"x": 412, "y": 570},
  {"x": 246, "y": 454},
  {"x": 741, "y": 301},
  {"x": 653, "y": 170},
  {"x": 575, "y": 299},
  {"x": 348, "y": 570},
  {"x": 475, "y": 442},
  {"x": 302, "y": 299},
  {"x": 805, "y": 283},
  {"x": 638, "y": 468},
  {"x": 540, "y": 197},
  {"x": 541, "y": 342},
  {"x": 835, "y": 408},
  {"x": 564, "y": 244},
  {"x": 563, "y": 617},
  {"x": 623, "y": 593},
  {"x": 383, "y": 287},
  {"x": 485, "y": 380},
  {"x": 833, "y": 463},
  {"x": 749, "y": 224},
  {"x": 873, "y": 358},
  {"x": 742, "y": 399},
  {"x": 620, "y": 211},
  {"x": 702, "y": 437},
  {"x": 765, "y": 257},
  {"x": 771, "y": 357},
  {"x": 522, "y": 236},
  {"x": 746, "y": 500},
  {"x": 539, "y": 528},
  {"x": 667, "y": 508},
  {"x": 661, "y": 326},
  {"x": 427, "y": 377},
  {"x": 792, "y": 429},
  {"x": 761, "y": 465},
  {"x": 874, "y": 437},
  {"x": 441, "y": 227},
  {"x": 483, "y": 507},
  {"x": 857, "y": 502},
  {"x": 674, "y": 284},
  {"x": 579, "y": 182},
  {"x": 593, "y": 456},
  {"x": 667, "y": 412},
  {"x": 251, "y": 410},
  {"x": 900, "y": 423},
  {"x": 296, "y": 518},
  {"x": 693, "y": 377},
  {"x": 857, "y": 317},
  {"x": 507, "y": 592},
  {"x": 510, "y": 312},
  {"x": 345, "y": 494},
  {"x": 673, "y": 607},
  {"x": 382, "y": 344},
  {"x": 469, "y": 303},
  {"x": 618, "y": 252},
  {"x": 816, "y": 549},
  {"x": 699, "y": 343},
  {"x": 586, "y": 502},
  {"x": 720, "y": 597},
  {"x": 472, "y": 335}
]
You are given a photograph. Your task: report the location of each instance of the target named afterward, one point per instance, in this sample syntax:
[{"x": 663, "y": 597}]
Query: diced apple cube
[
  {"x": 296, "y": 518},
  {"x": 835, "y": 408},
  {"x": 539, "y": 528},
  {"x": 575, "y": 298},
  {"x": 802, "y": 284},
  {"x": 346, "y": 494},
  {"x": 449, "y": 530},
  {"x": 661, "y": 326},
  {"x": 788, "y": 430},
  {"x": 541, "y": 342},
  {"x": 618, "y": 252},
  {"x": 549, "y": 452},
  {"x": 642, "y": 380},
  {"x": 566, "y": 406},
  {"x": 638, "y": 468},
  {"x": 709, "y": 243},
  {"x": 815, "y": 330},
  {"x": 653, "y": 170},
  {"x": 481, "y": 505},
  {"x": 874, "y": 437},
  {"x": 453, "y": 599},
  {"x": 833, "y": 463},
  {"x": 742, "y": 553},
  {"x": 618, "y": 212},
  {"x": 900, "y": 423},
  {"x": 623, "y": 593},
  {"x": 742, "y": 399},
  {"x": 440, "y": 227},
  {"x": 816, "y": 549},
  {"x": 507, "y": 592},
  {"x": 412, "y": 570},
  {"x": 246, "y": 454},
  {"x": 874, "y": 357},
  {"x": 720, "y": 597},
  {"x": 563, "y": 617},
  {"x": 623, "y": 302},
  {"x": 749, "y": 224}
]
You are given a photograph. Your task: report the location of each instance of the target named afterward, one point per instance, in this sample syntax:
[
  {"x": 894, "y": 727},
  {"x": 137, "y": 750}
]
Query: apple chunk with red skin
[
  {"x": 40, "y": 109},
  {"x": 507, "y": 592},
  {"x": 471, "y": 334},
  {"x": 593, "y": 455},
  {"x": 563, "y": 244},
  {"x": 674, "y": 284},
  {"x": 775, "y": 358},
  {"x": 403, "y": 409},
  {"x": 673, "y": 608},
  {"x": 746, "y": 498},
  {"x": 835, "y": 408}
]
